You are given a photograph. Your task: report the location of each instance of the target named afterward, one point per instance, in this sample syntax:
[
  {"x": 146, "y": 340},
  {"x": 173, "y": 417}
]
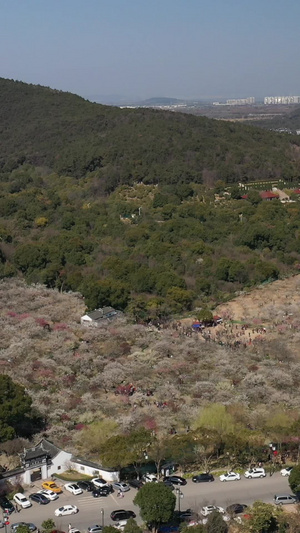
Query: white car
[
  {"x": 286, "y": 471},
  {"x": 208, "y": 509},
  {"x": 120, "y": 525},
  {"x": 20, "y": 499},
  {"x": 255, "y": 472},
  {"x": 65, "y": 510},
  {"x": 149, "y": 478},
  {"x": 230, "y": 476},
  {"x": 98, "y": 482},
  {"x": 49, "y": 494},
  {"x": 73, "y": 488}
]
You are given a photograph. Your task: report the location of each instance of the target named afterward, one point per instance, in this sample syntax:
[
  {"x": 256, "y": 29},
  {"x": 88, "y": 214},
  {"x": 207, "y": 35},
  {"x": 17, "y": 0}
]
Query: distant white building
[
  {"x": 241, "y": 101},
  {"x": 283, "y": 100},
  {"x": 100, "y": 317}
]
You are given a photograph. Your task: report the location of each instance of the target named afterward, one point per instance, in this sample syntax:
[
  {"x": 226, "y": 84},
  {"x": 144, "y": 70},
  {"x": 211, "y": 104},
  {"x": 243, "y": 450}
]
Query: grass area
[{"x": 72, "y": 475}]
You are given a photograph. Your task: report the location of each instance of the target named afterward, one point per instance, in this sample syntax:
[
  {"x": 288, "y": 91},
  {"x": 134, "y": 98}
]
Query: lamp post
[
  {"x": 102, "y": 516},
  {"x": 180, "y": 496}
]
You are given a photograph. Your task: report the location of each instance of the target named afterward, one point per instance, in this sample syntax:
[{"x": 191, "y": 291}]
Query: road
[{"x": 195, "y": 495}]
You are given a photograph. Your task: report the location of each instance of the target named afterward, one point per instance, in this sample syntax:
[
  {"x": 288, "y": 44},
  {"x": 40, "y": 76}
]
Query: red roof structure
[
  {"x": 265, "y": 195},
  {"x": 268, "y": 195}
]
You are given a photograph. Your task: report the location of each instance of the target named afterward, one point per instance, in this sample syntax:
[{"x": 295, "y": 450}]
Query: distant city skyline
[{"x": 138, "y": 49}]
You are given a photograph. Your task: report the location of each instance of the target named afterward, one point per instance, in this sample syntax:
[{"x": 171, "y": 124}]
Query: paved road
[{"x": 195, "y": 496}]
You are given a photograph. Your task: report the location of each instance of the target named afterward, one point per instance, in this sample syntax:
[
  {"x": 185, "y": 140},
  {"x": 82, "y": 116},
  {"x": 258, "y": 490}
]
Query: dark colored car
[
  {"x": 30, "y": 526},
  {"x": 236, "y": 508},
  {"x": 176, "y": 480},
  {"x": 39, "y": 498},
  {"x": 101, "y": 491},
  {"x": 202, "y": 478},
  {"x": 86, "y": 485},
  {"x": 169, "y": 484},
  {"x": 135, "y": 483},
  {"x": 121, "y": 514},
  {"x": 185, "y": 515},
  {"x": 6, "y": 505}
]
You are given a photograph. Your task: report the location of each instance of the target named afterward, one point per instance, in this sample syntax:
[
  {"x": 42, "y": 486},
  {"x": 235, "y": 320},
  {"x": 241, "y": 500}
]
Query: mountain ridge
[{"x": 70, "y": 135}]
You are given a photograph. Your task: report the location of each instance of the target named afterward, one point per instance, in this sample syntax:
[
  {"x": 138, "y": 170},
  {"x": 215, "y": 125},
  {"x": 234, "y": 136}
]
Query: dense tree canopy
[
  {"x": 115, "y": 205},
  {"x": 77, "y": 137},
  {"x": 156, "y": 503},
  {"x": 15, "y": 403}
]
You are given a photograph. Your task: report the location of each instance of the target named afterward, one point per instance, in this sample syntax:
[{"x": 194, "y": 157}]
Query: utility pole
[{"x": 180, "y": 496}]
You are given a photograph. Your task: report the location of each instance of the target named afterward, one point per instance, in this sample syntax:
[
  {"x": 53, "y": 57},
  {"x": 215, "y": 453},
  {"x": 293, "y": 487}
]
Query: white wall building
[
  {"x": 284, "y": 100},
  {"x": 100, "y": 317},
  {"x": 45, "y": 459},
  {"x": 241, "y": 101}
]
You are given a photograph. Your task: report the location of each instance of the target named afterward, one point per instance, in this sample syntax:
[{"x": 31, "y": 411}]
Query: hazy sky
[{"x": 146, "y": 48}]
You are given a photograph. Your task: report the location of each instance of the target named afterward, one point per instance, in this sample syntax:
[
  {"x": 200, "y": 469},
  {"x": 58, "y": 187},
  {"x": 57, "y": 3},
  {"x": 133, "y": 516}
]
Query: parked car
[
  {"x": 187, "y": 515},
  {"x": 39, "y": 498},
  {"x": 21, "y": 500},
  {"x": 148, "y": 478},
  {"x": 120, "y": 525},
  {"x": 94, "y": 529},
  {"x": 135, "y": 483},
  {"x": 286, "y": 471},
  {"x": 49, "y": 494},
  {"x": 284, "y": 499},
  {"x": 73, "y": 488},
  {"x": 30, "y": 526},
  {"x": 236, "y": 508},
  {"x": 50, "y": 485},
  {"x": 101, "y": 491},
  {"x": 230, "y": 476},
  {"x": 208, "y": 509},
  {"x": 86, "y": 485},
  {"x": 123, "y": 487},
  {"x": 202, "y": 478},
  {"x": 99, "y": 482},
  {"x": 121, "y": 514},
  {"x": 255, "y": 472},
  {"x": 176, "y": 480},
  {"x": 66, "y": 510},
  {"x": 6, "y": 505},
  {"x": 169, "y": 484}
]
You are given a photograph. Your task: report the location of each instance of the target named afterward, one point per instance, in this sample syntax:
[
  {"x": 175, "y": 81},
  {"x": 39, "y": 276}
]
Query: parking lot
[{"x": 97, "y": 510}]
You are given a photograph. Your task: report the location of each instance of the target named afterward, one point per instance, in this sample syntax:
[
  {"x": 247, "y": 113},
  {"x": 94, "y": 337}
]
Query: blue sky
[{"x": 147, "y": 48}]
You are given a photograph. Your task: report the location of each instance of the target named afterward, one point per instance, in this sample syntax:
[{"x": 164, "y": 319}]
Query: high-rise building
[
  {"x": 281, "y": 100},
  {"x": 241, "y": 101}
]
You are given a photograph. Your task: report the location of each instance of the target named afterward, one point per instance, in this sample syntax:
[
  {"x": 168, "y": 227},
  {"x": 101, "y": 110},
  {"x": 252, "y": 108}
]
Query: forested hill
[{"x": 72, "y": 136}]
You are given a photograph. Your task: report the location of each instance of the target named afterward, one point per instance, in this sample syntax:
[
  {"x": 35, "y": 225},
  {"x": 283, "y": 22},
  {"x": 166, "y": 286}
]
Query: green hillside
[
  {"x": 96, "y": 199},
  {"x": 72, "y": 136}
]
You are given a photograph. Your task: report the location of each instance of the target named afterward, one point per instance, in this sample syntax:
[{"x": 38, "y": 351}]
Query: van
[
  {"x": 255, "y": 472},
  {"x": 284, "y": 499}
]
